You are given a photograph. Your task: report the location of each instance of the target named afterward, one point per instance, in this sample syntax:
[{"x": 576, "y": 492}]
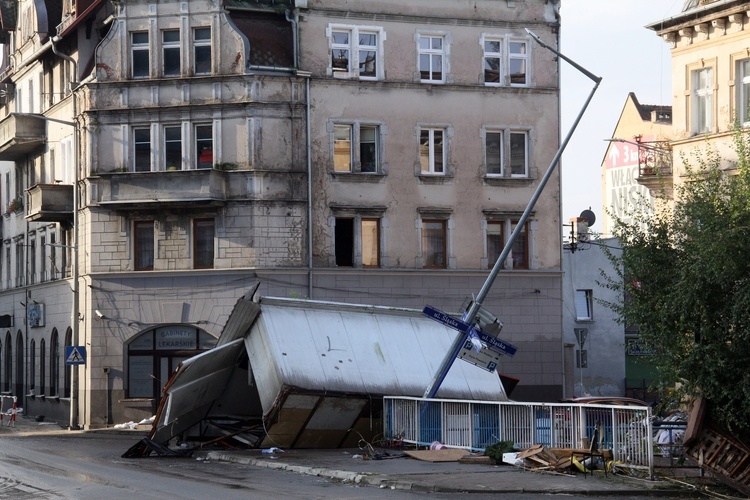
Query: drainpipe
[
  {"x": 308, "y": 149},
  {"x": 75, "y": 323},
  {"x": 295, "y": 37}
]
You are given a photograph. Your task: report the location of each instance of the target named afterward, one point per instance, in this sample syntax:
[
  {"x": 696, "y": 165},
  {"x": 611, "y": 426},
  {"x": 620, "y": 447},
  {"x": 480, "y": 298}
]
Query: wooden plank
[{"x": 446, "y": 455}]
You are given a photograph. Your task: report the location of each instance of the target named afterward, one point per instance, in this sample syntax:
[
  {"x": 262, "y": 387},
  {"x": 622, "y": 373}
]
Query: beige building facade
[{"x": 179, "y": 152}]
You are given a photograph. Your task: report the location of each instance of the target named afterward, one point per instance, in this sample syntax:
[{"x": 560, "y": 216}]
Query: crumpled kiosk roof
[{"x": 311, "y": 371}]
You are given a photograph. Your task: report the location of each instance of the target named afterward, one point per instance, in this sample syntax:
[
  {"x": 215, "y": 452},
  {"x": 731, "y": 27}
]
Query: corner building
[{"x": 160, "y": 158}]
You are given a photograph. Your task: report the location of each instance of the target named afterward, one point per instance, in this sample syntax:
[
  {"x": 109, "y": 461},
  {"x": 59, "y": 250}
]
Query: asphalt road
[{"x": 90, "y": 466}]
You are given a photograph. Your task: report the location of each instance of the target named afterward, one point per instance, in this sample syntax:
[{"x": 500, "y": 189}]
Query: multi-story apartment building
[
  {"x": 710, "y": 78},
  {"x": 161, "y": 157}
]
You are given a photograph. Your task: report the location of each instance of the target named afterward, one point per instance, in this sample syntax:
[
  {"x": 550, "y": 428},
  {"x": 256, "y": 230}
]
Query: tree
[{"x": 684, "y": 274}]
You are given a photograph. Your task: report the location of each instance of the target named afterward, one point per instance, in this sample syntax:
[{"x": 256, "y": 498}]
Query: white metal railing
[{"x": 474, "y": 425}]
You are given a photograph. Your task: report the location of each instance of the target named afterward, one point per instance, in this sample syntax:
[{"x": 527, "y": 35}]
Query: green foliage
[
  {"x": 685, "y": 277},
  {"x": 495, "y": 451}
]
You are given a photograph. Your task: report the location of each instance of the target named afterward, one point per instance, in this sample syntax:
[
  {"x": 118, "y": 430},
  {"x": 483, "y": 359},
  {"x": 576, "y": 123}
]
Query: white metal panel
[{"x": 360, "y": 349}]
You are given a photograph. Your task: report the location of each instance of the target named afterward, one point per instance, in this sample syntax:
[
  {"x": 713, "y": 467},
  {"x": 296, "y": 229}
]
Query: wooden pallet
[{"x": 727, "y": 458}]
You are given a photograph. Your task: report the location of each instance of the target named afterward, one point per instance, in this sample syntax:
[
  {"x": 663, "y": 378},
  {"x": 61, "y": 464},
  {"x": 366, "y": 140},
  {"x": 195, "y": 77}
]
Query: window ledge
[
  {"x": 435, "y": 178},
  {"x": 578, "y": 320},
  {"x": 358, "y": 176},
  {"x": 506, "y": 181},
  {"x": 137, "y": 402}
]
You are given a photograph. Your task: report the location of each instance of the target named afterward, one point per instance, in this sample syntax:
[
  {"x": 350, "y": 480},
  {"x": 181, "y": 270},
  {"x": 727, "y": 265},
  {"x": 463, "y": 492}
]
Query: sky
[{"x": 608, "y": 38}]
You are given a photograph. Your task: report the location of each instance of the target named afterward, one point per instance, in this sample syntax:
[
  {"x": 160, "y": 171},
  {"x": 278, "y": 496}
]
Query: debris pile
[{"x": 560, "y": 460}]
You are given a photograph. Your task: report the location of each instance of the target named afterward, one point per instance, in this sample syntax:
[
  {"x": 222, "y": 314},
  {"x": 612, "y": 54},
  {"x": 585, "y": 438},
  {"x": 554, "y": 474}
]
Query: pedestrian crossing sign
[{"x": 75, "y": 355}]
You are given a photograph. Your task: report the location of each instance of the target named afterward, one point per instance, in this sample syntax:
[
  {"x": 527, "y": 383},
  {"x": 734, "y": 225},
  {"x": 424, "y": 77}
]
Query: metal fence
[{"x": 474, "y": 425}]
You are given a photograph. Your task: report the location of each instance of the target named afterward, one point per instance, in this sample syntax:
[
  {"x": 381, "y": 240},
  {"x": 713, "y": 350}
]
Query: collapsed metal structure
[{"x": 309, "y": 374}]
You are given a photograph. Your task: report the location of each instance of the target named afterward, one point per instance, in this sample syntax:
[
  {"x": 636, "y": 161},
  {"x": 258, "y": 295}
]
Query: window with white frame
[
  {"x": 356, "y": 147},
  {"x": 431, "y": 53},
  {"x": 142, "y": 149},
  {"x": 357, "y": 241},
  {"x": 506, "y": 153},
  {"x": 173, "y": 147},
  {"x": 584, "y": 305},
  {"x": 204, "y": 146},
  {"x": 170, "y": 52},
  {"x": 139, "y": 59},
  {"x": 743, "y": 92},
  {"x": 432, "y": 150},
  {"x": 202, "y": 51},
  {"x": 356, "y": 51},
  {"x": 506, "y": 61},
  {"x": 702, "y": 100}
]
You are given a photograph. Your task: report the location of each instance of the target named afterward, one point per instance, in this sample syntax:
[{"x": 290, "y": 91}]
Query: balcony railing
[
  {"x": 654, "y": 159},
  {"x": 20, "y": 135}
]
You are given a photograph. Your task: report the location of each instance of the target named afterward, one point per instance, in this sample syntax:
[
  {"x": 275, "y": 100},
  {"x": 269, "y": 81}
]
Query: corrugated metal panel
[
  {"x": 347, "y": 348},
  {"x": 241, "y": 318}
]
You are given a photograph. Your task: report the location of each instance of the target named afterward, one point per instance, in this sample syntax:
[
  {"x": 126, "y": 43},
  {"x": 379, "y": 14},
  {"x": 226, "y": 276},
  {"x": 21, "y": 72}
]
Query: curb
[{"x": 399, "y": 484}]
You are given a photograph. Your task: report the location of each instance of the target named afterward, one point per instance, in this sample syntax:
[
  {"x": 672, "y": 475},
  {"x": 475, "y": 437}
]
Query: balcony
[
  {"x": 655, "y": 167},
  {"x": 20, "y": 135},
  {"x": 193, "y": 188},
  {"x": 50, "y": 203}
]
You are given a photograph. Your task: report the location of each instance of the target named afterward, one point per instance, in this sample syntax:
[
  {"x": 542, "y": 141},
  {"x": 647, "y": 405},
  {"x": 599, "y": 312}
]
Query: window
[
  {"x": 495, "y": 242},
  {"x": 142, "y": 149},
  {"x": 173, "y": 148},
  {"x": 355, "y": 52},
  {"x": 431, "y": 54},
  {"x": 8, "y": 363},
  {"x": 518, "y": 155},
  {"x": 432, "y": 150},
  {"x": 204, "y": 146},
  {"x": 519, "y": 253},
  {"x": 517, "y": 62},
  {"x": 702, "y": 100},
  {"x": 498, "y": 234},
  {"x": 42, "y": 365},
  {"x": 202, "y": 51},
  {"x": 171, "y": 52},
  {"x": 54, "y": 364},
  {"x": 66, "y": 372},
  {"x": 743, "y": 97},
  {"x": 144, "y": 245},
  {"x": 505, "y": 61},
  {"x": 348, "y": 158},
  {"x": 434, "y": 244},
  {"x": 43, "y": 258},
  {"x": 32, "y": 261},
  {"x": 32, "y": 365},
  {"x": 203, "y": 243},
  {"x": 495, "y": 158},
  {"x": 357, "y": 233},
  {"x": 154, "y": 355},
  {"x": 139, "y": 54},
  {"x": 584, "y": 303}
]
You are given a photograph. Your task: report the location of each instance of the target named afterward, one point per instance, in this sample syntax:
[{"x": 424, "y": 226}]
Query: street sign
[
  {"x": 476, "y": 353},
  {"x": 445, "y": 319},
  {"x": 75, "y": 355},
  {"x": 497, "y": 345}
]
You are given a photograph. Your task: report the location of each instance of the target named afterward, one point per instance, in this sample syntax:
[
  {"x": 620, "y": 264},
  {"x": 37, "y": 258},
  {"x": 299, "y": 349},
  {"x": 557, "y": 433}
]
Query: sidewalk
[{"x": 415, "y": 475}]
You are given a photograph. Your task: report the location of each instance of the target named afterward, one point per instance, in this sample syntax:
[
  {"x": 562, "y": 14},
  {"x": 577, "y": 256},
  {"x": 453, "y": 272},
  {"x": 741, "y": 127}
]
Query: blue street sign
[
  {"x": 497, "y": 345},
  {"x": 445, "y": 319},
  {"x": 75, "y": 355}
]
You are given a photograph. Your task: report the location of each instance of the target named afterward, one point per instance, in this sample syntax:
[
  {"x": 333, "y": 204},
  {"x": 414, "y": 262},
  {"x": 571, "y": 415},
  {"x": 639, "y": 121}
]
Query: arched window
[
  {"x": 54, "y": 364},
  {"x": 68, "y": 341},
  {"x": 20, "y": 365},
  {"x": 155, "y": 354},
  {"x": 42, "y": 365},
  {"x": 32, "y": 365},
  {"x": 8, "y": 360}
]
